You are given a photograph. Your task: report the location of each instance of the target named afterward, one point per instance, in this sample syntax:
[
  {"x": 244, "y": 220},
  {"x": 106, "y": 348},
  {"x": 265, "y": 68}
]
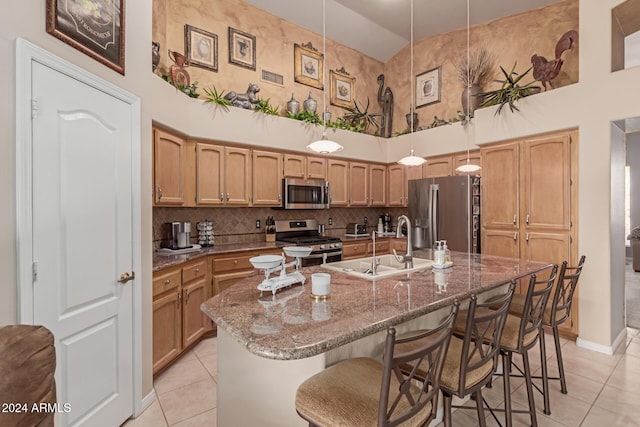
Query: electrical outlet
[
  {"x": 257, "y": 223},
  {"x": 330, "y": 221}
]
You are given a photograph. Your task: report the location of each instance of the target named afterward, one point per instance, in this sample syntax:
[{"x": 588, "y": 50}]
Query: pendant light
[
  {"x": 324, "y": 145},
  {"x": 468, "y": 168},
  {"x": 411, "y": 159}
]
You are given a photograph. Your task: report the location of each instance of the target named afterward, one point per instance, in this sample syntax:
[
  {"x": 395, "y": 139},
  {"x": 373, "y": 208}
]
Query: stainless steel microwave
[{"x": 305, "y": 193}]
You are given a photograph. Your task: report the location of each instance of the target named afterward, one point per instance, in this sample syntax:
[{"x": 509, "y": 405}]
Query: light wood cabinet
[
  {"x": 223, "y": 175},
  {"x": 400, "y": 245},
  {"x": 228, "y": 269},
  {"x": 168, "y": 168},
  {"x": 358, "y": 184},
  {"x": 337, "y": 175},
  {"x": 267, "y": 178},
  {"x": 377, "y": 185},
  {"x": 437, "y": 167},
  {"x": 383, "y": 247},
  {"x": 178, "y": 321},
  {"x": 355, "y": 249},
  {"x": 396, "y": 185},
  {"x": 461, "y": 160},
  {"x": 414, "y": 172},
  {"x": 529, "y": 202},
  {"x": 305, "y": 167}
]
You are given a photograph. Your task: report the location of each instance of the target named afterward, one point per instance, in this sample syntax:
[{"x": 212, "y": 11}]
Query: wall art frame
[
  {"x": 428, "y": 87},
  {"x": 308, "y": 65},
  {"x": 201, "y": 48},
  {"x": 242, "y": 49},
  {"x": 97, "y": 32},
  {"x": 343, "y": 88}
]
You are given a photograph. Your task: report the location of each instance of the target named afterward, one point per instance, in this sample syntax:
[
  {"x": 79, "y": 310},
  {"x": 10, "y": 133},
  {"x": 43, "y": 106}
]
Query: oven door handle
[{"x": 324, "y": 255}]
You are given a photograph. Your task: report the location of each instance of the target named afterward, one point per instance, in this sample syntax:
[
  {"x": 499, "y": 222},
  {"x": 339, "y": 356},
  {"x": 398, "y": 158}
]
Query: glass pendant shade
[
  {"x": 324, "y": 145},
  {"x": 411, "y": 160},
  {"x": 468, "y": 168}
]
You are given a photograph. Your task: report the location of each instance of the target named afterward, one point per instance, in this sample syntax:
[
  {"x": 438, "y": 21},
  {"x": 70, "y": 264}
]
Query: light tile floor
[{"x": 603, "y": 390}]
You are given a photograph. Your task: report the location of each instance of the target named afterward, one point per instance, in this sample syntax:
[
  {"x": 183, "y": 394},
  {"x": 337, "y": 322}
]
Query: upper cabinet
[
  {"x": 223, "y": 175},
  {"x": 267, "y": 178},
  {"x": 238, "y": 173},
  {"x": 168, "y": 168},
  {"x": 397, "y": 185},
  {"x": 437, "y": 167},
  {"x": 377, "y": 185},
  {"x": 500, "y": 186},
  {"x": 358, "y": 184},
  {"x": 306, "y": 167},
  {"x": 338, "y": 177}
]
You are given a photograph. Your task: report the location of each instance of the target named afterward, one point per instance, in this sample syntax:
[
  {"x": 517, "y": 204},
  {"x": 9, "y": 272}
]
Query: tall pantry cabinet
[{"x": 529, "y": 201}]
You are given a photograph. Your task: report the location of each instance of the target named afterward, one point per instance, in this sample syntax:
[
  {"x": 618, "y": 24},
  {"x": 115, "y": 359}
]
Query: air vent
[{"x": 273, "y": 78}]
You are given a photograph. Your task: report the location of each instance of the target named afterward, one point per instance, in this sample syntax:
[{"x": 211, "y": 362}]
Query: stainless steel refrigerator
[{"x": 448, "y": 209}]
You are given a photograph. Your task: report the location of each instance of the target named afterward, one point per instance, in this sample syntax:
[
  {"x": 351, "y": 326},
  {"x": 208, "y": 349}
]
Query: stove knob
[
  {"x": 323, "y": 246},
  {"x": 333, "y": 245}
]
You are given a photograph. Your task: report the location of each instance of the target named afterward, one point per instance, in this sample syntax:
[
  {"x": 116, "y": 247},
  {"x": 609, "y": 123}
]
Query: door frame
[{"x": 26, "y": 54}]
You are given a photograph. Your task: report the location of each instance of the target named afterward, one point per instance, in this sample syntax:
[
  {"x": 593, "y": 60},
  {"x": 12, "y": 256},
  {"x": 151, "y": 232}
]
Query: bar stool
[
  {"x": 366, "y": 392},
  {"x": 473, "y": 355},
  {"x": 520, "y": 335},
  {"x": 556, "y": 313}
]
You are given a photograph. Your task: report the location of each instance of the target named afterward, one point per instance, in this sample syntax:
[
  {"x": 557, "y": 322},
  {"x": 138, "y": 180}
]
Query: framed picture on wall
[
  {"x": 308, "y": 65},
  {"x": 95, "y": 28},
  {"x": 343, "y": 88},
  {"x": 201, "y": 47},
  {"x": 428, "y": 87},
  {"x": 242, "y": 49}
]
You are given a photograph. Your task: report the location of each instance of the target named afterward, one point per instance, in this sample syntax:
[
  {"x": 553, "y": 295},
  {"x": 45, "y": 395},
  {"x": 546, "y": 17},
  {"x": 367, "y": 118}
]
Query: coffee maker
[
  {"x": 177, "y": 235},
  {"x": 386, "y": 223}
]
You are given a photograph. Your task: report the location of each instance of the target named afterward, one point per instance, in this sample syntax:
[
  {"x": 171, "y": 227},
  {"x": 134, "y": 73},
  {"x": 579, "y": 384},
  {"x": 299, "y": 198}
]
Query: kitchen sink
[{"x": 388, "y": 266}]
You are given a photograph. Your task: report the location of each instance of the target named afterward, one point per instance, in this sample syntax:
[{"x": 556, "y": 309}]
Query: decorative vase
[
  {"x": 310, "y": 104},
  {"x": 470, "y": 100},
  {"x": 155, "y": 55},
  {"x": 293, "y": 106},
  {"x": 415, "y": 120},
  {"x": 179, "y": 76}
]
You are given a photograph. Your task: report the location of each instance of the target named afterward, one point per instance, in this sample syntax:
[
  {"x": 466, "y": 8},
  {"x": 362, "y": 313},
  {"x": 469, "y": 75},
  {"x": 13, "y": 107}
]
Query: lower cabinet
[
  {"x": 178, "y": 321},
  {"x": 364, "y": 247}
]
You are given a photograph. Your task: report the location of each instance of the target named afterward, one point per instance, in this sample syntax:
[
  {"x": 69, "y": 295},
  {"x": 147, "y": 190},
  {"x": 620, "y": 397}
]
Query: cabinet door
[
  {"x": 474, "y": 159},
  {"x": 382, "y": 247},
  {"x": 547, "y": 247},
  {"x": 358, "y": 184},
  {"x": 294, "y": 166},
  {"x": 193, "y": 322},
  {"x": 500, "y": 181},
  {"x": 209, "y": 174},
  {"x": 501, "y": 243},
  {"x": 354, "y": 249},
  {"x": 226, "y": 280},
  {"x": 437, "y": 167},
  {"x": 377, "y": 185},
  {"x": 238, "y": 174},
  {"x": 316, "y": 168},
  {"x": 267, "y": 178},
  {"x": 168, "y": 165},
  {"x": 400, "y": 245},
  {"x": 338, "y": 171},
  {"x": 397, "y": 185},
  {"x": 167, "y": 329},
  {"x": 414, "y": 172},
  {"x": 546, "y": 166}
]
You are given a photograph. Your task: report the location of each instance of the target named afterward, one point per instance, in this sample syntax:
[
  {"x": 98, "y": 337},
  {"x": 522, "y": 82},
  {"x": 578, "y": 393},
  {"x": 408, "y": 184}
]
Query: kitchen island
[{"x": 268, "y": 345}]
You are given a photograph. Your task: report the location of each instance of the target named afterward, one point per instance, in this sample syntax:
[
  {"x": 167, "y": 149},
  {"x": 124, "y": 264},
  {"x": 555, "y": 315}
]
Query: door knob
[{"x": 125, "y": 277}]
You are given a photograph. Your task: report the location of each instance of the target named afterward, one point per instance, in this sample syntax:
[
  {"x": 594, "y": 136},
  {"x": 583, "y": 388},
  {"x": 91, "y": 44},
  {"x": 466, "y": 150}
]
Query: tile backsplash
[{"x": 238, "y": 225}]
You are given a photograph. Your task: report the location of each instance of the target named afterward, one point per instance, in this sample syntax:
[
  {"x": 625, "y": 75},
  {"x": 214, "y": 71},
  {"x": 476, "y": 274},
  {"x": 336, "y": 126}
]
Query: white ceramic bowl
[
  {"x": 266, "y": 261},
  {"x": 297, "y": 251}
]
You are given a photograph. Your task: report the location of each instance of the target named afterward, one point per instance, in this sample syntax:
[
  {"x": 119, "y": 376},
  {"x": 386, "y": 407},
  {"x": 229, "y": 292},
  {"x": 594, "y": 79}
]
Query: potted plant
[
  {"x": 474, "y": 74},
  {"x": 510, "y": 91}
]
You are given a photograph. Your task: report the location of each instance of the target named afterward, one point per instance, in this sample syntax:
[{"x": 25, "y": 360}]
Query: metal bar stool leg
[
  {"x": 506, "y": 363},
  {"x": 545, "y": 372},
  {"x": 480, "y": 407},
  {"x": 446, "y": 401},
  {"x": 529, "y": 384},
  {"x": 563, "y": 380}
]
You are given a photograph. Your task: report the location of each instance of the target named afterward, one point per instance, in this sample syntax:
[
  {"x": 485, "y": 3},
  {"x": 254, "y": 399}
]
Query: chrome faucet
[
  {"x": 374, "y": 261},
  {"x": 407, "y": 258}
]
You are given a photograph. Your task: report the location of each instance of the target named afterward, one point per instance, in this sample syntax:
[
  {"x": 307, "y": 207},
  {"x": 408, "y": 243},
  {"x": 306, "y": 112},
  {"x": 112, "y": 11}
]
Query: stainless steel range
[{"x": 305, "y": 233}]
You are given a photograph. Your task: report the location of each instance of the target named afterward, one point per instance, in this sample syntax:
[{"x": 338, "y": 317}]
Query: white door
[{"x": 82, "y": 243}]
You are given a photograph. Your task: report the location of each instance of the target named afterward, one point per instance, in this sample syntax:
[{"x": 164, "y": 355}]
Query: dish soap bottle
[
  {"x": 438, "y": 254},
  {"x": 446, "y": 252},
  {"x": 380, "y": 226}
]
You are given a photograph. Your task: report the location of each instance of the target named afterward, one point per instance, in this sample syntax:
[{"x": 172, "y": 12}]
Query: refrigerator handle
[{"x": 433, "y": 213}]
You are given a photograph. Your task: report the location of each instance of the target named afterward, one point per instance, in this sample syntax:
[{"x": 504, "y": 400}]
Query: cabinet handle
[
  {"x": 515, "y": 236},
  {"x": 527, "y": 219},
  {"x": 197, "y": 270},
  {"x": 526, "y": 237},
  {"x": 279, "y": 197},
  {"x": 167, "y": 282},
  {"x": 227, "y": 197},
  {"x": 159, "y": 193},
  {"x": 187, "y": 300},
  {"x": 515, "y": 219},
  {"x": 179, "y": 299},
  {"x": 235, "y": 262},
  {"x": 222, "y": 197}
]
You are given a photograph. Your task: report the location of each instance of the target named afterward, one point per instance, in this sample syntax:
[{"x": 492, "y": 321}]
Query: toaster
[{"x": 355, "y": 228}]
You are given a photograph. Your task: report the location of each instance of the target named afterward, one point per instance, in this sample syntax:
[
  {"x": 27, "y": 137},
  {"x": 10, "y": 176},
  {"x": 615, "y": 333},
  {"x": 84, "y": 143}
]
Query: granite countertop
[
  {"x": 163, "y": 261},
  {"x": 292, "y": 325}
]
